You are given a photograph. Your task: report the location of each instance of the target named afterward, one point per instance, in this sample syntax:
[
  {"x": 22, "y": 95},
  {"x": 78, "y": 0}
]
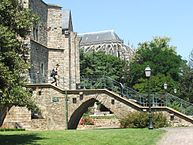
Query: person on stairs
[{"x": 54, "y": 75}]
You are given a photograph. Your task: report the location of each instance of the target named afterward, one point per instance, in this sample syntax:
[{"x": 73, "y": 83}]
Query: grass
[{"x": 82, "y": 137}]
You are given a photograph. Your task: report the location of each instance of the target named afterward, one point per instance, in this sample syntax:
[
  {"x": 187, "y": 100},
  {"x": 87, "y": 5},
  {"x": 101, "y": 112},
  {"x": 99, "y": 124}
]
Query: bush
[
  {"x": 141, "y": 120},
  {"x": 159, "y": 120},
  {"x": 134, "y": 120}
]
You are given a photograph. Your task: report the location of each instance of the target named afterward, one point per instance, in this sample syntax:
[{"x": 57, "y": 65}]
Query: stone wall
[
  {"x": 68, "y": 59},
  {"x": 49, "y": 46},
  {"x": 52, "y": 105},
  {"x": 176, "y": 121},
  {"x": 56, "y": 56},
  {"x": 39, "y": 60},
  {"x": 41, "y": 9},
  {"x": 102, "y": 123},
  {"x": 18, "y": 117},
  {"x": 71, "y": 60},
  {"x": 54, "y": 24}
]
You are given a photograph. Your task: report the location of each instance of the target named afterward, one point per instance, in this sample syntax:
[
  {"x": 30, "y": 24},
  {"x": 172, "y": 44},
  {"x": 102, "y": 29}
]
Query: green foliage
[
  {"x": 97, "y": 64},
  {"x": 156, "y": 84},
  {"x": 134, "y": 120},
  {"x": 186, "y": 83},
  {"x": 16, "y": 22},
  {"x": 163, "y": 61},
  {"x": 191, "y": 59},
  {"x": 141, "y": 120},
  {"x": 175, "y": 105},
  {"x": 159, "y": 120}
]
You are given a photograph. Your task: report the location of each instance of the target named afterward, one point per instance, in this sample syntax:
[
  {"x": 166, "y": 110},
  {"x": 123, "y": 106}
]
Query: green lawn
[{"x": 82, "y": 137}]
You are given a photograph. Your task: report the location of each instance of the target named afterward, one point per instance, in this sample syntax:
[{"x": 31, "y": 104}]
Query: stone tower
[{"x": 53, "y": 42}]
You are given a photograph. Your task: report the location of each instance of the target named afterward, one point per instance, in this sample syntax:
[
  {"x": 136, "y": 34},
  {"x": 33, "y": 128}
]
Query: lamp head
[
  {"x": 165, "y": 86},
  {"x": 148, "y": 71}
]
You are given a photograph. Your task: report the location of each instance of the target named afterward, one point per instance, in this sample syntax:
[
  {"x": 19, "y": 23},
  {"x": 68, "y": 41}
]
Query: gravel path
[{"x": 177, "y": 136}]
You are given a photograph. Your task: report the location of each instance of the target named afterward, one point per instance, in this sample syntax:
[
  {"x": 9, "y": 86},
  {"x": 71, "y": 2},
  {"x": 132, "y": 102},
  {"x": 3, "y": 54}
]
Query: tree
[
  {"x": 186, "y": 80},
  {"x": 97, "y": 64},
  {"x": 191, "y": 59},
  {"x": 163, "y": 60},
  {"x": 15, "y": 26},
  {"x": 186, "y": 83}
]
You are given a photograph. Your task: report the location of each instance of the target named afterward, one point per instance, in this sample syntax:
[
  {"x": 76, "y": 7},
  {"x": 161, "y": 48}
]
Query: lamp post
[
  {"x": 148, "y": 74},
  {"x": 66, "y": 109},
  {"x": 165, "y": 88}
]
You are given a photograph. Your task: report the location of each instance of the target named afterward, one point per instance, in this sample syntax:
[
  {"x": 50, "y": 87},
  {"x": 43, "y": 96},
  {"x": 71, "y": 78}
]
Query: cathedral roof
[{"x": 99, "y": 37}]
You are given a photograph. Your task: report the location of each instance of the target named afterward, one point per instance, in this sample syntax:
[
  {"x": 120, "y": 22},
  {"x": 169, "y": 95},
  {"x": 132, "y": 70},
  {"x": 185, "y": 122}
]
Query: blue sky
[{"x": 136, "y": 20}]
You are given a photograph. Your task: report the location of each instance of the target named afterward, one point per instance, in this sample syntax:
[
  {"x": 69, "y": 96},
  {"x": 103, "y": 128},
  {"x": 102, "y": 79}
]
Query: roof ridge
[{"x": 97, "y": 32}]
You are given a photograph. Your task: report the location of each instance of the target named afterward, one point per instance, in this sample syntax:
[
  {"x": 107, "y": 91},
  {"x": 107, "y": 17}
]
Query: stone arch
[
  {"x": 115, "y": 105},
  {"x": 77, "y": 114}
]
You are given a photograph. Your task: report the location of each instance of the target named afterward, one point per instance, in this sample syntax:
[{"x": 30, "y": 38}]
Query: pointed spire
[{"x": 67, "y": 20}]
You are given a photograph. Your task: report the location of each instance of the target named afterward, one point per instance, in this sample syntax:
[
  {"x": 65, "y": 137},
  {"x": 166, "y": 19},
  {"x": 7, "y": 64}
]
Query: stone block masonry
[
  {"x": 53, "y": 44},
  {"x": 18, "y": 117},
  {"x": 57, "y": 114}
]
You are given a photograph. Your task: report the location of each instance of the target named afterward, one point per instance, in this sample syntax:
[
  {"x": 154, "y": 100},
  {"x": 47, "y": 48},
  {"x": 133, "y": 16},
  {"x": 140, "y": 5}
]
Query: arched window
[{"x": 35, "y": 33}]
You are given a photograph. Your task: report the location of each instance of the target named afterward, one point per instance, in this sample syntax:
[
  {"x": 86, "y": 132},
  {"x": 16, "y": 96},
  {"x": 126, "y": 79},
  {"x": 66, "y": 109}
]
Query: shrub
[
  {"x": 159, "y": 120},
  {"x": 134, "y": 120},
  {"x": 141, "y": 120}
]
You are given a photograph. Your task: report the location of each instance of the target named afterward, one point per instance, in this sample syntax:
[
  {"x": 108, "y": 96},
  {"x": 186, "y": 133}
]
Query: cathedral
[{"x": 108, "y": 42}]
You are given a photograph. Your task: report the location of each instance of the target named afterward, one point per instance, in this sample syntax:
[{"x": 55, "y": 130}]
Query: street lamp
[
  {"x": 175, "y": 90},
  {"x": 148, "y": 74},
  {"x": 165, "y": 88}
]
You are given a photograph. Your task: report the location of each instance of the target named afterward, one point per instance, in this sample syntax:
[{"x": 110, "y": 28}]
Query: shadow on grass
[{"x": 21, "y": 139}]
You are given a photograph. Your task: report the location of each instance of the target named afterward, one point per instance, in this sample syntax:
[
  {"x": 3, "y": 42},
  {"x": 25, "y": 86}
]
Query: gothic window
[
  {"x": 42, "y": 69},
  {"x": 34, "y": 30},
  {"x": 35, "y": 33}
]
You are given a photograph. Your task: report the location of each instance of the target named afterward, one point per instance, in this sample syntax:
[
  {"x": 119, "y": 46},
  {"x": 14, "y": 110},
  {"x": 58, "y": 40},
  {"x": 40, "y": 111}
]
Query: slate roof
[
  {"x": 99, "y": 37},
  {"x": 66, "y": 20}
]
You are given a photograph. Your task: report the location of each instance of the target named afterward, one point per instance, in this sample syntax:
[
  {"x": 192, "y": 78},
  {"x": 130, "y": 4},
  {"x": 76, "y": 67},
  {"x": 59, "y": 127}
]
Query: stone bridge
[{"x": 63, "y": 109}]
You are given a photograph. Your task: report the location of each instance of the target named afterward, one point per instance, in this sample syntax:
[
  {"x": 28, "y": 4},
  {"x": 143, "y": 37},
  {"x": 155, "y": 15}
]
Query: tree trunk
[{"x": 4, "y": 109}]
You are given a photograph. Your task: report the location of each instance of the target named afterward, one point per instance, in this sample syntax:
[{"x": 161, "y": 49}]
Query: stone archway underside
[{"x": 77, "y": 114}]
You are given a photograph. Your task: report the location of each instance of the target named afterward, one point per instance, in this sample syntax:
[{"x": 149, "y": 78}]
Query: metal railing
[
  {"x": 104, "y": 82},
  {"x": 179, "y": 104},
  {"x": 157, "y": 99}
]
